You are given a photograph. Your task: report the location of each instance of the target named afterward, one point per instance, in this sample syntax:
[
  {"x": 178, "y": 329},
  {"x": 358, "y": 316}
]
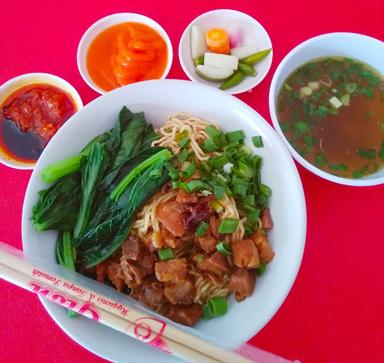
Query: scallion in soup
[{"x": 332, "y": 112}]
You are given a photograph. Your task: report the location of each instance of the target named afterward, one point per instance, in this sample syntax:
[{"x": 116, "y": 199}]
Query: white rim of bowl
[
  {"x": 193, "y": 78},
  {"x": 44, "y": 78},
  {"x": 272, "y": 110},
  {"x": 146, "y": 21}
]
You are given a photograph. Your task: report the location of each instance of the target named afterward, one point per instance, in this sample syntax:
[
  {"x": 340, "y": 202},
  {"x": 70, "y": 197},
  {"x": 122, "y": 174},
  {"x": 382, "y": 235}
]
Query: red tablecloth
[{"x": 334, "y": 310}]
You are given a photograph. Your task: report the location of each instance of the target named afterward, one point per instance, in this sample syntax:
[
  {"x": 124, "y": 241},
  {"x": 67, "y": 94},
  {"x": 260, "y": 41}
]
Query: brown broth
[{"x": 347, "y": 141}]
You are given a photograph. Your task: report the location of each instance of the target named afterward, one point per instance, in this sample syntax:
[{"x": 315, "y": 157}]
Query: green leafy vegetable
[
  {"x": 56, "y": 205},
  {"x": 66, "y": 256},
  {"x": 132, "y": 127},
  {"x": 119, "y": 172},
  {"x": 161, "y": 157},
  {"x": 64, "y": 167},
  {"x": 91, "y": 174},
  {"x": 113, "y": 219}
]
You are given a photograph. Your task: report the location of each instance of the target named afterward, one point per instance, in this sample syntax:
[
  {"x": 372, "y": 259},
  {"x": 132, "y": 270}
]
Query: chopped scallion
[
  {"x": 240, "y": 189},
  {"x": 217, "y": 207},
  {"x": 172, "y": 171},
  {"x": 302, "y": 127},
  {"x": 235, "y": 136},
  {"x": 250, "y": 199},
  {"x": 184, "y": 142},
  {"x": 253, "y": 215},
  {"x": 212, "y": 131},
  {"x": 261, "y": 269},
  {"x": 165, "y": 254},
  {"x": 195, "y": 185},
  {"x": 265, "y": 190},
  {"x": 257, "y": 141},
  {"x": 367, "y": 153},
  {"x": 210, "y": 145},
  {"x": 346, "y": 99},
  {"x": 175, "y": 184},
  {"x": 228, "y": 225},
  {"x": 320, "y": 160},
  {"x": 243, "y": 170},
  {"x": 202, "y": 229},
  {"x": 189, "y": 169},
  {"x": 183, "y": 155},
  {"x": 351, "y": 87},
  {"x": 357, "y": 174},
  {"x": 216, "y": 306},
  {"x": 224, "y": 248},
  {"x": 218, "y": 162},
  {"x": 341, "y": 167},
  {"x": 219, "y": 191},
  {"x": 207, "y": 314}
]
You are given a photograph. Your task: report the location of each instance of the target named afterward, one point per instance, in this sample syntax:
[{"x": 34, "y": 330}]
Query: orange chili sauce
[
  {"x": 126, "y": 53},
  {"x": 29, "y": 117}
]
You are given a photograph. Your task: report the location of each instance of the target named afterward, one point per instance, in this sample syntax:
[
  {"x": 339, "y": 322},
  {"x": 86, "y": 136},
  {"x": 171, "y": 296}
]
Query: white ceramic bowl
[
  {"x": 252, "y": 33},
  {"x": 7, "y": 88},
  {"x": 357, "y": 46},
  {"x": 160, "y": 99},
  {"x": 96, "y": 28}
]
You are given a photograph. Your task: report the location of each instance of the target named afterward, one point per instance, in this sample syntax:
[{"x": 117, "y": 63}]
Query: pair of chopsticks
[{"x": 19, "y": 271}]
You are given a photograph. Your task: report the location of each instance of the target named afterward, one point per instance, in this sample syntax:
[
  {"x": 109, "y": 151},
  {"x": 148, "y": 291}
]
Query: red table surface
[{"x": 334, "y": 310}]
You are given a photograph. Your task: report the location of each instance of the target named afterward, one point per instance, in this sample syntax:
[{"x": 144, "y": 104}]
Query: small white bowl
[
  {"x": 252, "y": 33},
  {"x": 352, "y": 45},
  {"x": 96, "y": 28},
  {"x": 9, "y": 87}
]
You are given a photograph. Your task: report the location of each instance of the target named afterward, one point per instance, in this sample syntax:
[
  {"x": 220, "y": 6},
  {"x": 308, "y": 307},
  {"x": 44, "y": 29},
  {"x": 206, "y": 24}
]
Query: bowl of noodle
[{"x": 207, "y": 238}]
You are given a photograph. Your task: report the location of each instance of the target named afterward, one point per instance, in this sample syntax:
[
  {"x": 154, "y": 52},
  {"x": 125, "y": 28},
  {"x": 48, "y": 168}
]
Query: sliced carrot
[{"x": 217, "y": 40}]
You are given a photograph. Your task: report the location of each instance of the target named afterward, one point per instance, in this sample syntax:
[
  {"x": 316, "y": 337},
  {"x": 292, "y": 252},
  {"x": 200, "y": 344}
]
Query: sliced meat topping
[
  {"x": 172, "y": 216},
  {"x": 152, "y": 296},
  {"x": 207, "y": 243},
  {"x": 169, "y": 240},
  {"x": 146, "y": 264},
  {"x": 197, "y": 213},
  {"x": 132, "y": 274},
  {"x": 115, "y": 275},
  {"x": 185, "y": 314},
  {"x": 245, "y": 254},
  {"x": 101, "y": 271},
  {"x": 265, "y": 251},
  {"x": 132, "y": 248},
  {"x": 172, "y": 270},
  {"x": 217, "y": 264},
  {"x": 242, "y": 282},
  {"x": 266, "y": 218},
  {"x": 181, "y": 292},
  {"x": 184, "y": 197},
  {"x": 214, "y": 224}
]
